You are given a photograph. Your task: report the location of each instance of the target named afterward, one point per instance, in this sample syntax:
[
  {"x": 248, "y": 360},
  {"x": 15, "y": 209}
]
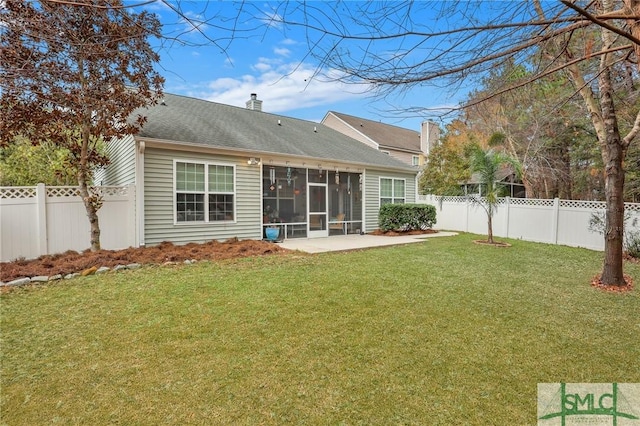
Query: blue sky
[{"x": 273, "y": 64}]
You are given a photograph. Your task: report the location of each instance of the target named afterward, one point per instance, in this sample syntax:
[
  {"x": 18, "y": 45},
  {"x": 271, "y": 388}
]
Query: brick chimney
[{"x": 254, "y": 103}]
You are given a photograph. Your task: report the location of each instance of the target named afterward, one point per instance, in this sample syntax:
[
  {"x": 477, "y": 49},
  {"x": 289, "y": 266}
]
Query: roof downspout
[
  {"x": 140, "y": 193},
  {"x": 364, "y": 203}
]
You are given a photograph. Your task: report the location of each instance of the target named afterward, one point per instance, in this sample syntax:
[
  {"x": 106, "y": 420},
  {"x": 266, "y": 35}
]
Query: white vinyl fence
[
  {"x": 556, "y": 221},
  {"x": 40, "y": 220}
]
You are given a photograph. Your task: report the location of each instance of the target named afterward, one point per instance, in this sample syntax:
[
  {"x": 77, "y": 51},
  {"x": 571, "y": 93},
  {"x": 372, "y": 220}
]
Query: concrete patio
[{"x": 354, "y": 242}]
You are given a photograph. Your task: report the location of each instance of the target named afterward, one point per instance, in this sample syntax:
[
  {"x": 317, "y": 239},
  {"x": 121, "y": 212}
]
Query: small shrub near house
[{"x": 406, "y": 217}]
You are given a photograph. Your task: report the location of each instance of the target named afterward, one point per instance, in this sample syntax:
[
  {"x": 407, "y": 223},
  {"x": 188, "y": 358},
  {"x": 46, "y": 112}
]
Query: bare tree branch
[
  {"x": 604, "y": 24},
  {"x": 633, "y": 132},
  {"x": 100, "y": 6},
  {"x": 540, "y": 76}
]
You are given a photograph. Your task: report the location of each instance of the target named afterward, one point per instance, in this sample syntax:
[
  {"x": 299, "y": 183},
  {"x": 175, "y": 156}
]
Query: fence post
[
  {"x": 507, "y": 206},
  {"x": 554, "y": 224},
  {"x": 41, "y": 217},
  {"x": 131, "y": 205},
  {"x": 467, "y": 204}
]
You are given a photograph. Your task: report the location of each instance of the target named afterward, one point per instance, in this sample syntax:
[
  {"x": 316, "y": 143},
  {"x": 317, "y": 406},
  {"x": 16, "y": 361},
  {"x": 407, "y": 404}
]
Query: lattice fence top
[
  {"x": 632, "y": 207},
  {"x": 63, "y": 191},
  {"x": 112, "y": 190},
  {"x": 577, "y": 204},
  {"x": 483, "y": 200},
  {"x": 451, "y": 199},
  {"x": 74, "y": 191},
  {"x": 14, "y": 192},
  {"x": 539, "y": 202}
]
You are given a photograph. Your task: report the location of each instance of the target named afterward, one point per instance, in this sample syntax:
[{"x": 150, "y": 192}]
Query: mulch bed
[
  {"x": 73, "y": 262},
  {"x": 597, "y": 283},
  {"x": 493, "y": 244}
]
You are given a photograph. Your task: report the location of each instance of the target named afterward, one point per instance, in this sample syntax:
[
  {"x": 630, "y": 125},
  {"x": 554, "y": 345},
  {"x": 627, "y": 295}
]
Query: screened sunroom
[{"x": 305, "y": 203}]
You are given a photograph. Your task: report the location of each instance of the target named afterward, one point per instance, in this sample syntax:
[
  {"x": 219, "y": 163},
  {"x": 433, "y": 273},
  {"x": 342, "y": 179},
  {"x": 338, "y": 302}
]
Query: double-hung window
[
  {"x": 221, "y": 192},
  {"x": 204, "y": 192},
  {"x": 392, "y": 191}
]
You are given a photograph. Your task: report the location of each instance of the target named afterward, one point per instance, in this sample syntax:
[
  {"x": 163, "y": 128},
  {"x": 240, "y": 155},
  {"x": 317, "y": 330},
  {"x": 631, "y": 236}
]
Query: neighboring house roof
[
  {"x": 188, "y": 120},
  {"x": 501, "y": 175},
  {"x": 386, "y": 136}
]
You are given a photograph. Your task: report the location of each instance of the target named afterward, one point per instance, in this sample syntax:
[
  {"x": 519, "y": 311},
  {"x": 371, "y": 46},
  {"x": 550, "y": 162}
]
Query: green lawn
[{"x": 441, "y": 332}]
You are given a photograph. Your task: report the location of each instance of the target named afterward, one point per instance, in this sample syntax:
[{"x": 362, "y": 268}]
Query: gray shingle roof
[
  {"x": 385, "y": 135},
  {"x": 185, "y": 119},
  {"x": 504, "y": 172}
]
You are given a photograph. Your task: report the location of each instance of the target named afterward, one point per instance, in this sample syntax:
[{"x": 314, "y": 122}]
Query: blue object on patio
[{"x": 272, "y": 233}]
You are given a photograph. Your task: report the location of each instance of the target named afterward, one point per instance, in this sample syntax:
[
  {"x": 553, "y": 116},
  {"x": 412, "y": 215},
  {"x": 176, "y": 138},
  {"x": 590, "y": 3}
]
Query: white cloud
[
  {"x": 282, "y": 51},
  {"x": 289, "y": 42},
  {"x": 261, "y": 66},
  {"x": 272, "y": 61},
  {"x": 221, "y": 84},
  {"x": 288, "y": 87}
]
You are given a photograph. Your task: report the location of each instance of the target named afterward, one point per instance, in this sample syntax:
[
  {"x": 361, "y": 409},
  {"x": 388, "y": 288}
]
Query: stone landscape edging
[{"x": 94, "y": 270}]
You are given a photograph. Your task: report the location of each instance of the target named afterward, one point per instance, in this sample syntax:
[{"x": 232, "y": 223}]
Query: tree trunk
[
  {"x": 613, "y": 153},
  {"x": 92, "y": 203},
  {"x": 612, "y": 148},
  {"x": 613, "y": 156},
  {"x": 612, "y": 272},
  {"x": 490, "y": 228},
  {"x": 568, "y": 187},
  {"x": 528, "y": 185}
]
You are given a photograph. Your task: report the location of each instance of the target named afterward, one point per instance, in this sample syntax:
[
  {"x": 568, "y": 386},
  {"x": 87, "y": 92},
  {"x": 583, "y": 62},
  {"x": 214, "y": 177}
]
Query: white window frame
[
  {"x": 395, "y": 198},
  {"x": 206, "y": 192},
  {"x": 415, "y": 160}
]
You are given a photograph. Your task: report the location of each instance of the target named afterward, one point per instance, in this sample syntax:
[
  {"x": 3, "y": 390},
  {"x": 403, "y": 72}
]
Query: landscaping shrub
[
  {"x": 631, "y": 238},
  {"x": 633, "y": 245},
  {"x": 406, "y": 217}
]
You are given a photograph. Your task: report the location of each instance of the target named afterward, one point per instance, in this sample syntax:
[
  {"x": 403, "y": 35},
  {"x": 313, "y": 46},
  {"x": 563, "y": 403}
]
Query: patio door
[{"x": 317, "y": 203}]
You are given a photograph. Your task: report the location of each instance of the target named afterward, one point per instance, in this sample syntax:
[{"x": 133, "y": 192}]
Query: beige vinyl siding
[
  {"x": 122, "y": 167},
  {"x": 344, "y": 128},
  {"x": 159, "y": 200},
  {"x": 336, "y": 124},
  {"x": 405, "y": 157},
  {"x": 372, "y": 193}
]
